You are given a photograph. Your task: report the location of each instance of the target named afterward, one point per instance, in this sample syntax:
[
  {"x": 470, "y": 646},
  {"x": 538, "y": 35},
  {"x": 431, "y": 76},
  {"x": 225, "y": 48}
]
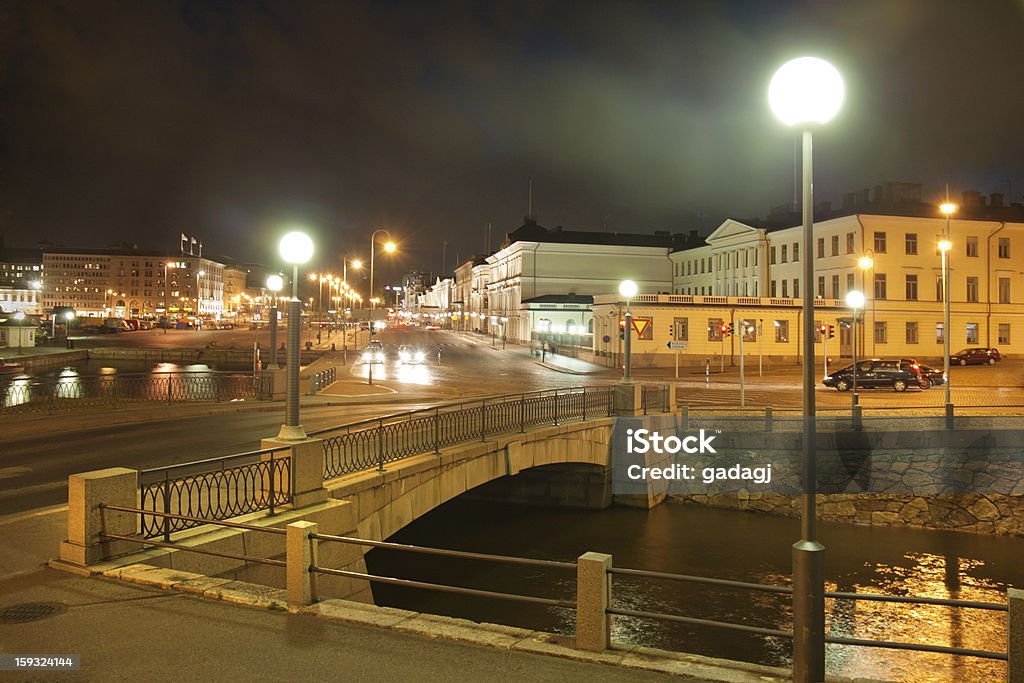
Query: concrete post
[
  {"x": 627, "y": 399},
  {"x": 278, "y": 384},
  {"x": 300, "y": 555},
  {"x": 307, "y": 469},
  {"x": 593, "y": 596},
  {"x": 1015, "y": 636},
  {"x": 113, "y": 486}
]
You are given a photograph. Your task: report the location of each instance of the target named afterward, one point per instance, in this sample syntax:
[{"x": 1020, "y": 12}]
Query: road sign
[
  {"x": 677, "y": 345},
  {"x": 640, "y": 325}
]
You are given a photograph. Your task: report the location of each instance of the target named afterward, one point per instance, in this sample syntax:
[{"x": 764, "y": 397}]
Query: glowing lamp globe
[
  {"x": 296, "y": 248},
  {"x": 806, "y": 90},
  {"x": 628, "y": 289},
  {"x": 275, "y": 283},
  {"x": 855, "y": 299}
]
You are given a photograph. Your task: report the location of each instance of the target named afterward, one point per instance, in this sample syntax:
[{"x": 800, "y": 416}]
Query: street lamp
[
  {"x": 199, "y": 274},
  {"x": 945, "y": 245},
  {"x": 855, "y": 300},
  {"x": 389, "y": 247},
  {"x": 866, "y": 263},
  {"x": 274, "y": 284},
  {"x": 295, "y": 248},
  {"x": 807, "y": 91},
  {"x": 628, "y": 289}
]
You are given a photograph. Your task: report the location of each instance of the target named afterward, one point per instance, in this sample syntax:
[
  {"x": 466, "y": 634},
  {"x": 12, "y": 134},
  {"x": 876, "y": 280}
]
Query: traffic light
[
  {"x": 822, "y": 328},
  {"x": 831, "y": 331},
  {"x": 622, "y": 328},
  {"x": 726, "y": 330}
]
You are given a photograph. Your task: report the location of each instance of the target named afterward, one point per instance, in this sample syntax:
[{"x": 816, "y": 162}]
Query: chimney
[
  {"x": 865, "y": 197},
  {"x": 849, "y": 200},
  {"x": 876, "y": 195},
  {"x": 997, "y": 200},
  {"x": 972, "y": 199}
]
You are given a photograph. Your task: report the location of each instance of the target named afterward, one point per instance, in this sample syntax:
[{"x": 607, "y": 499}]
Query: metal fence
[
  {"x": 73, "y": 391},
  {"x": 218, "y": 488},
  {"x": 372, "y": 443}
]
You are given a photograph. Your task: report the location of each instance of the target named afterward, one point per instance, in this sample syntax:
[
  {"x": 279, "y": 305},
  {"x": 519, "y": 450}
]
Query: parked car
[
  {"x": 874, "y": 374},
  {"x": 927, "y": 375},
  {"x": 976, "y": 355}
]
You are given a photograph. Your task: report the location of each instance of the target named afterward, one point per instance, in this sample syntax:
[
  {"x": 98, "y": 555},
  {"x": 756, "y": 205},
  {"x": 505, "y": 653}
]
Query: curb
[
  {"x": 566, "y": 371},
  {"x": 437, "y": 627}
]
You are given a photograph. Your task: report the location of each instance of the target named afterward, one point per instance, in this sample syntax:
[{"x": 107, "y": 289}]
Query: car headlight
[
  {"x": 404, "y": 355},
  {"x": 366, "y": 356},
  {"x": 420, "y": 355},
  {"x": 827, "y": 378},
  {"x": 379, "y": 356}
]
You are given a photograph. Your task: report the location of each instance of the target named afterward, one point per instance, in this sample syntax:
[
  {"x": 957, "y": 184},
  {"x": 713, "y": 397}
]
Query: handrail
[
  {"x": 445, "y": 552},
  {"x": 189, "y": 518},
  {"x": 222, "y": 458}
]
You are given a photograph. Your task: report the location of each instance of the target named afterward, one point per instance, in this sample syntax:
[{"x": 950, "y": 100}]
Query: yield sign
[{"x": 640, "y": 326}]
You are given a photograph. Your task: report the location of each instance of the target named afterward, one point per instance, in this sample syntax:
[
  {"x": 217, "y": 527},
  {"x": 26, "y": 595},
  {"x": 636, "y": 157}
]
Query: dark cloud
[{"x": 134, "y": 121}]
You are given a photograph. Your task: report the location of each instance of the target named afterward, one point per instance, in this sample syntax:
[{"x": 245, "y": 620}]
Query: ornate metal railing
[
  {"x": 655, "y": 398},
  {"x": 372, "y": 443},
  {"x": 73, "y": 391},
  {"x": 218, "y": 488}
]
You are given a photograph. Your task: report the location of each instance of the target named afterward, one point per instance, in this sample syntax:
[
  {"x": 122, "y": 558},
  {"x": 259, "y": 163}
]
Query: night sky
[{"x": 138, "y": 120}]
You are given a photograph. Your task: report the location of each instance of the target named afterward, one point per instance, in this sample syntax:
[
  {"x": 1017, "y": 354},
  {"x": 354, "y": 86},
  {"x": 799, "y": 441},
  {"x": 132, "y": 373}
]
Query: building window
[
  {"x": 849, "y": 282},
  {"x": 938, "y": 288},
  {"x": 796, "y": 252},
  {"x": 911, "y": 244},
  {"x": 972, "y": 246},
  {"x": 911, "y": 333},
  {"x": 749, "y": 328},
  {"x": 714, "y": 329},
  {"x": 880, "y": 286},
  {"x": 781, "y": 331},
  {"x": 784, "y": 251},
  {"x": 821, "y": 286},
  {"x": 849, "y": 242},
  {"x": 796, "y": 288},
  {"x": 835, "y": 286},
  {"x": 972, "y": 333},
  {"x": 771, "y": 256},
  {"x": 773, "y": 289},
  {"x": 1004, "y": 290},
  {"x": 681, "y": 329},
  {"x": 940, "y": 330},
  {"x": 1004, "y": 247},
  {"x": 972, "y": 290},
  {"x": 880, "y": 332},
  {"x": 1004, "y": 334},
  {"x": 879, "y": 242},
  {"x": 911, "y": 288},
  {"x": 835, "y": 245},
  {"x": 785, "y": 288},
  {"x": 821, "y": 247}
]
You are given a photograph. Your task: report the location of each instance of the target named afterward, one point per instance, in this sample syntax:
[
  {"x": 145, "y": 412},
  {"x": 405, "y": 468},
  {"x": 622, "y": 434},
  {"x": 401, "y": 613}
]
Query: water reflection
[{"x": 725, "y": 544}]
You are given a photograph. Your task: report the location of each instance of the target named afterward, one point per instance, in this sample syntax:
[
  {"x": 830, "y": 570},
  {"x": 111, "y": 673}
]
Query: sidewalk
[{"x": 551, "y": 361}]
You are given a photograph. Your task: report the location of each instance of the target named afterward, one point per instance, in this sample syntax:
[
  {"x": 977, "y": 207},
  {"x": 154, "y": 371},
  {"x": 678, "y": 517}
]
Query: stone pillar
[
  {"x": 113, "y": 486},
  {"x": 593, "y": 596},
  {"x": 1015, "y": 636},
  {"x": 627, "y": 399},
  {"x": 300, "y": 556},
  {"x": 278, "y": 384},
  {"x": 307, "y": 469}
]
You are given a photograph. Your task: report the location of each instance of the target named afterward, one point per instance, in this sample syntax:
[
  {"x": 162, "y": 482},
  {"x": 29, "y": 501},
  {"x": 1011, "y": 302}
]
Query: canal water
[{"x": 729, "y": 544}]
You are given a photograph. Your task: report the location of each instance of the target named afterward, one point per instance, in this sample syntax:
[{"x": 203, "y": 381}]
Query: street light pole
[
  {"x": 628, "y": 289},
  {"x": 807, "y": 91},
  {"x": 388, "y": 247},
  {"x": 855, "y": 300},
  {"x": 296, "y": 248},
  {"x": 945, "y": 245},
  {"x": 274, "y": 284}
]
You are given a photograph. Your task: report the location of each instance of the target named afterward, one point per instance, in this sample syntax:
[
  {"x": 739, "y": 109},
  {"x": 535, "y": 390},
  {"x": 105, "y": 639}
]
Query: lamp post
[
  {"x": 274, "y": 284},
  {"x": 855, "y": 300},
  {"x": 948, "y": 209},
  {"x": 295, "y": 248},
  {"x": 866, "y": 263},
  {"x": 628, "y": 289},
  {"x": 807, "y": 91},
  {"x": 199, "y": 274},
  {"x": 389, "y": 247}
]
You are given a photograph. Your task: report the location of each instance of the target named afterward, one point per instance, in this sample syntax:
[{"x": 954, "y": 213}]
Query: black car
[
  {"x": 975, "y": 355},
  {"x": 874, "y": 374},
  {"x": 927, "y": 376}
]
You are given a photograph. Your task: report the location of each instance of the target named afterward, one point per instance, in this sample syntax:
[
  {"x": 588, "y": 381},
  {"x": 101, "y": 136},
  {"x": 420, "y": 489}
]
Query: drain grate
[{"x": 29, "y": 611}]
